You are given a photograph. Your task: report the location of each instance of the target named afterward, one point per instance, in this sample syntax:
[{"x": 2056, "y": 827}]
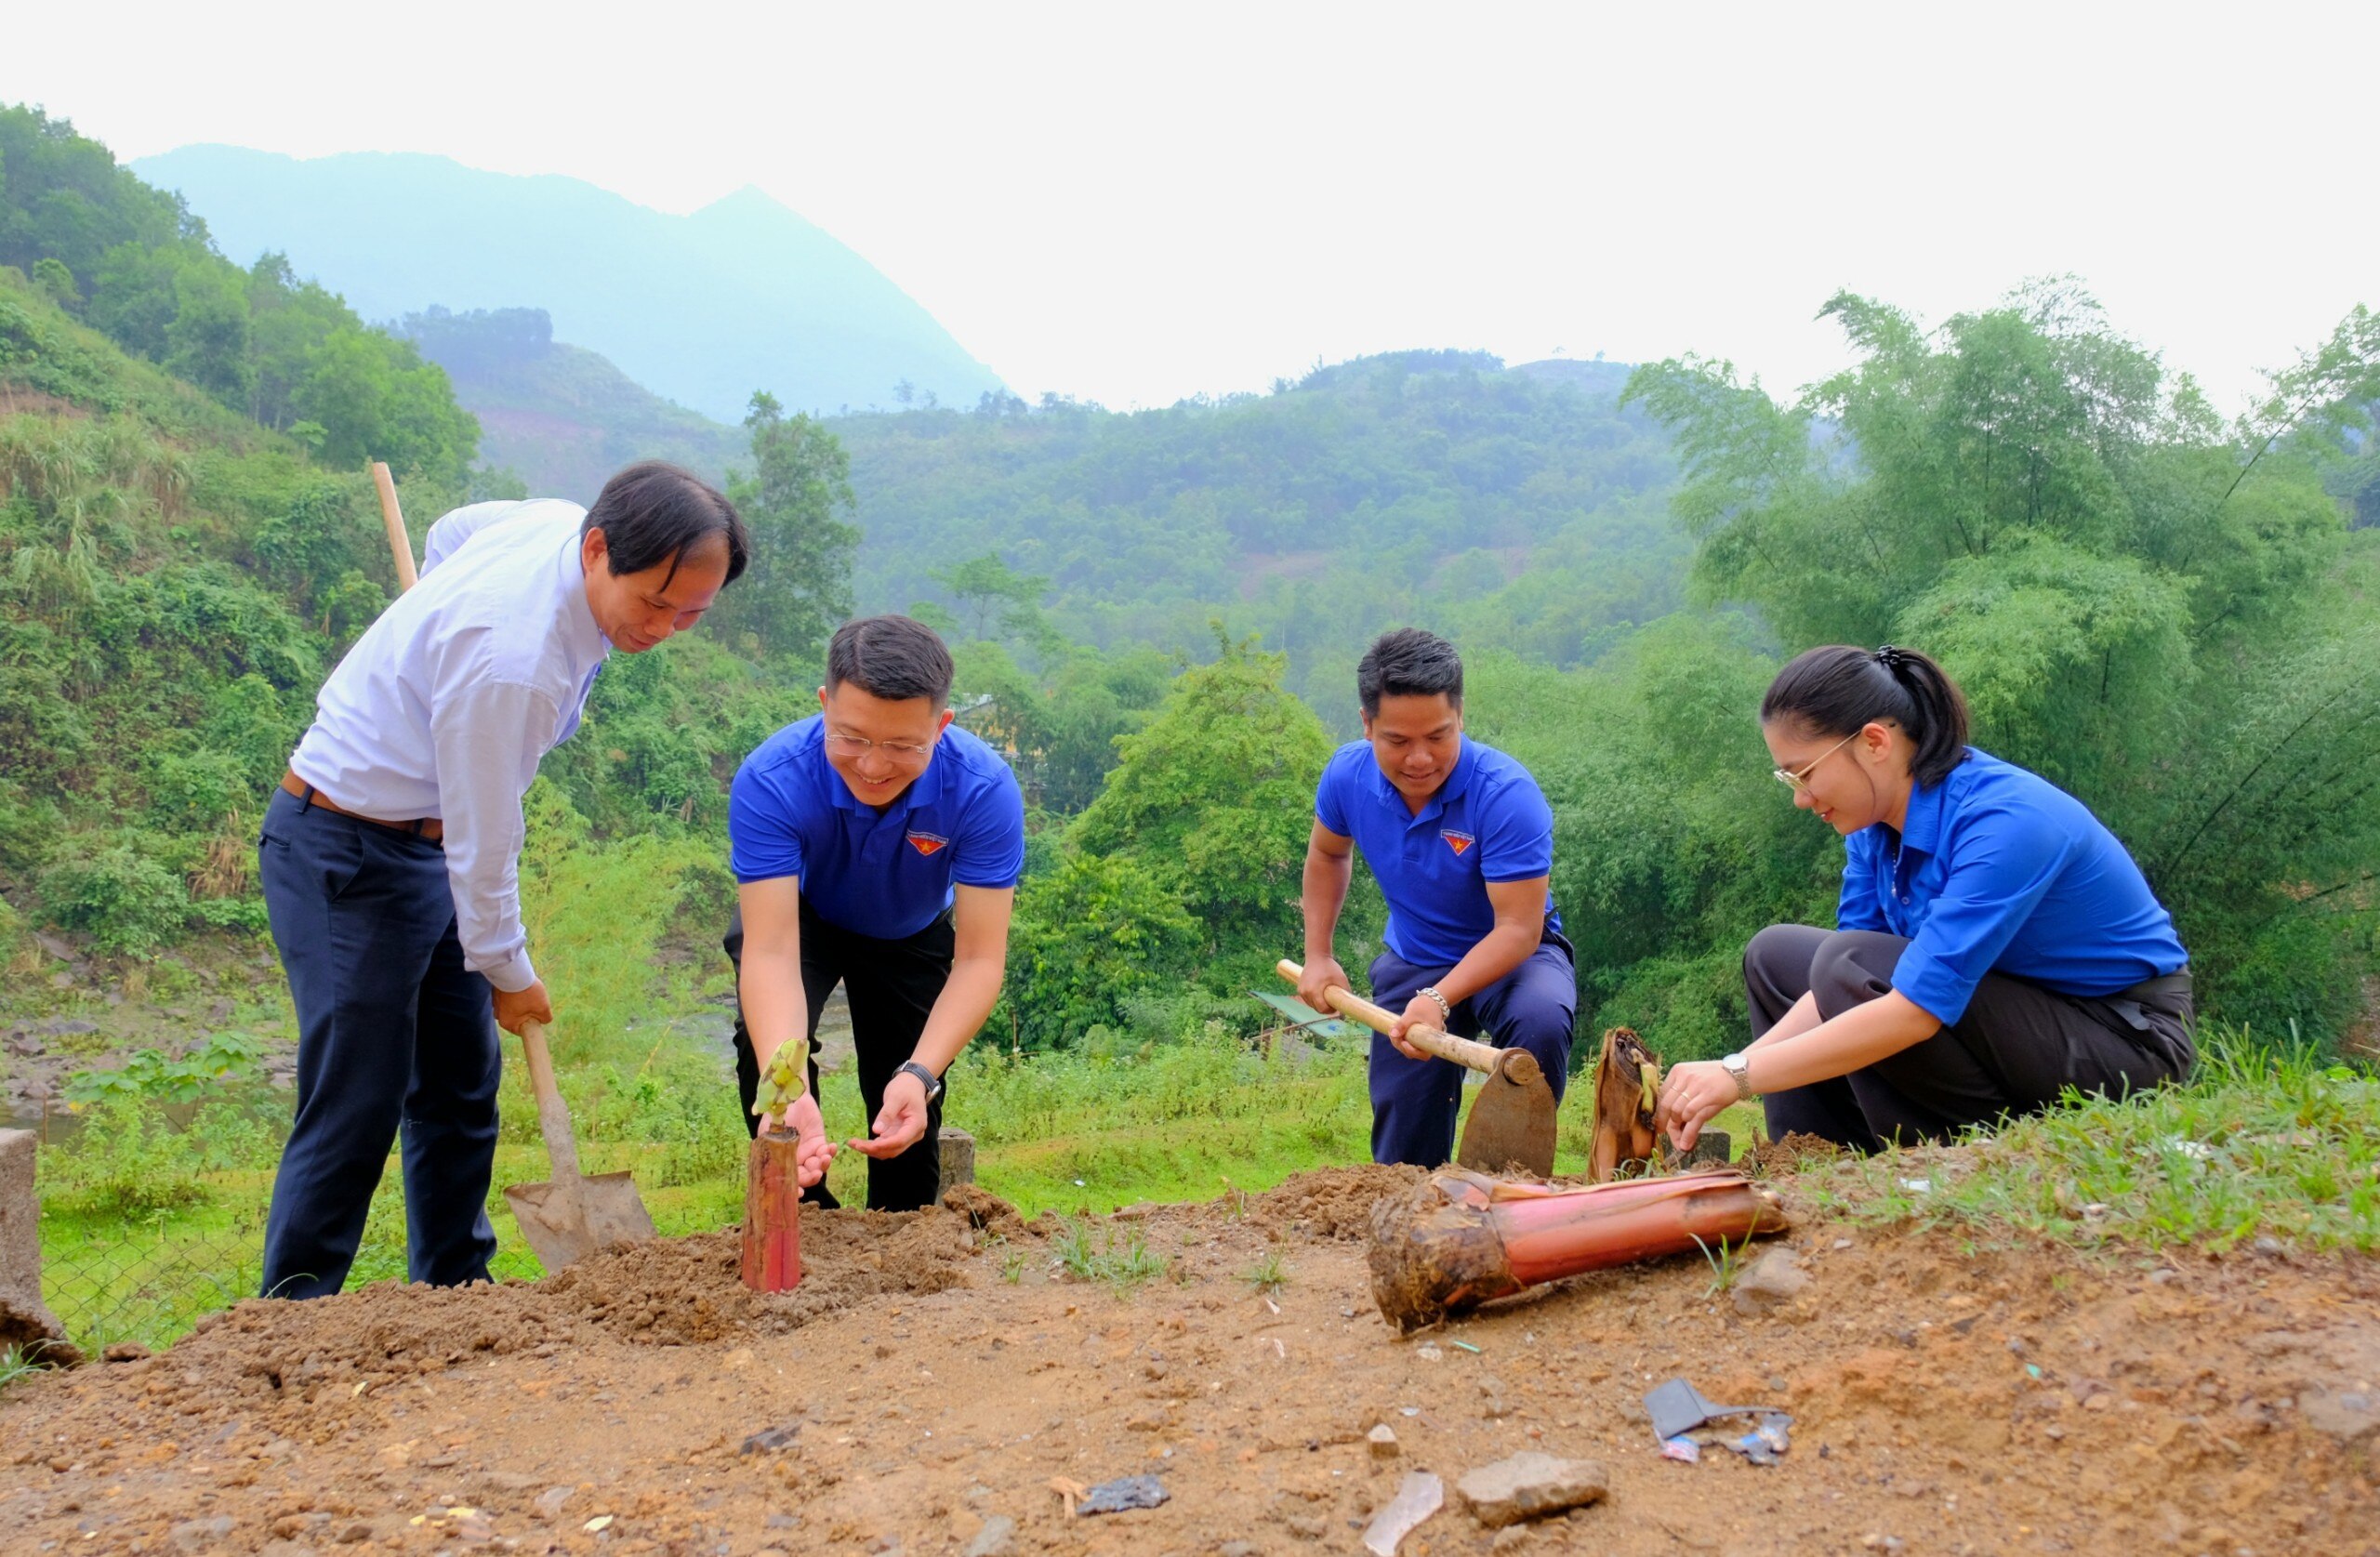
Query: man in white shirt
[{"x": 390, "y": 858}]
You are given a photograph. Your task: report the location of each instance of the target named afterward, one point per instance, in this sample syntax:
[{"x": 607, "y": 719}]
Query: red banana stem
[{"x": 773, "y": 1214}]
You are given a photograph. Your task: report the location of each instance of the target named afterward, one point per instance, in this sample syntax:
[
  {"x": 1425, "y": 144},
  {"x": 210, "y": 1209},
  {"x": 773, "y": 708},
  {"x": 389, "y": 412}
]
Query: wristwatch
[
  {"x": 1739, "y": 1066},
  {"x": 933, "y": 1082}
]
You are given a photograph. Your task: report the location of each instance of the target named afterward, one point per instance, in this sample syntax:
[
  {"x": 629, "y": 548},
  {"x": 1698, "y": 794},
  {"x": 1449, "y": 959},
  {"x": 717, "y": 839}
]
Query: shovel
[
  {"x": 1511, "y": 1121},
  {"x": 570, "y": 1215}
]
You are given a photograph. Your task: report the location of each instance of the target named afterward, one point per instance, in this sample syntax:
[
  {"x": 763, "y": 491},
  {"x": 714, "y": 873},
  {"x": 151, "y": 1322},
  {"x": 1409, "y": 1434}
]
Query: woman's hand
[{"x": 1692, "y": 1095}]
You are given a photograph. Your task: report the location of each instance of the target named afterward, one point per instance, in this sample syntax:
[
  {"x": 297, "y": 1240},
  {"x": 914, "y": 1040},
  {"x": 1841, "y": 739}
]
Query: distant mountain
[
  {"x": 562, "y": 417},
  {"x": 742, "y": 295}
]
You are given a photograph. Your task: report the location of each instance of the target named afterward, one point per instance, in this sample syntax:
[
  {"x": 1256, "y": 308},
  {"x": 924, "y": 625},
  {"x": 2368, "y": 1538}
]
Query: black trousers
[
  {"x": 1414, "y": 1102},
  {"x": 892, "y": 985},
  {"x": 2015, "y": 1051},
  {"x": 394, "y": 1031}
]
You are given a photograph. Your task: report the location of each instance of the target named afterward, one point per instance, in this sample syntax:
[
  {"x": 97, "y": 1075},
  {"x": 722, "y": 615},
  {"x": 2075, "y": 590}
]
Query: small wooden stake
[{"x": 773, "y": 1214}]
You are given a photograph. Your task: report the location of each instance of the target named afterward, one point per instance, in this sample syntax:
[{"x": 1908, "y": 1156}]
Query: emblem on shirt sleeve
[
  {"x": 928, "y": 844},
  {"x": 1460, "y": 842}
]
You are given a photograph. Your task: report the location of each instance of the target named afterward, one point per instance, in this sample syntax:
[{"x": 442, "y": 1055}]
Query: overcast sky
[{"x": 1135, "y": 203}]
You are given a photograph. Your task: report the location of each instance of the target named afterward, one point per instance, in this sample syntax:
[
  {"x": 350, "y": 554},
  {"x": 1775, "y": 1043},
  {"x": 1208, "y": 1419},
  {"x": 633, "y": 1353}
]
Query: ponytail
[{"x": 1837, "y": 689}]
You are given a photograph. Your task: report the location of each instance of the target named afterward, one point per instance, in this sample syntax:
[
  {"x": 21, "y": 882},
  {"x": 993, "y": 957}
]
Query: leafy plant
[{"x": 153, "y": 1075}]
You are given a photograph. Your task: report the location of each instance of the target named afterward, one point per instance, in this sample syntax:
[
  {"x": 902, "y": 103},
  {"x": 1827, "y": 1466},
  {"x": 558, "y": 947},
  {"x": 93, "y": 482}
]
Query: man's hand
[
  {"x": 1692, "y": 1095},
  {"x": 515, "y": 1007},
  {"x": 1322, "y": 973},
  {"x": 900, "y": 1123},
  {"x": 810, "y": 1159},
  {"x": 1422, "y": 1011}
]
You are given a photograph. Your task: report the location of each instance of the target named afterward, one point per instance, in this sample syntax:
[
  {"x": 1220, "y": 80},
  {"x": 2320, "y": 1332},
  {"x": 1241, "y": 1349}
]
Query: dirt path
[{"x": 2205, "y": 1407}]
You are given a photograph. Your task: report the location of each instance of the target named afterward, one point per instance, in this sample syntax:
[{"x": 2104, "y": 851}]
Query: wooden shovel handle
[
  {"x": 1479, "y": 1056},
  {"x": 553, "y": 1115},
  {"x": 400, "y": 544}
]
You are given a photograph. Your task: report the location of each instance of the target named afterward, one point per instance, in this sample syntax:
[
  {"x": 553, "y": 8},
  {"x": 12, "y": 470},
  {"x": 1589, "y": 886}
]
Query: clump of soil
[
  {"x": 1331, "y": 1202},
  {"x": 1767, "y": 1158}
]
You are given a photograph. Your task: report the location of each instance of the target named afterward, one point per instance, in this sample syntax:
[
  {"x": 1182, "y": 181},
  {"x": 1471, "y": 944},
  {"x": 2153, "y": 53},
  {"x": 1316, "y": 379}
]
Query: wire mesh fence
[{"x": 148, "y": 1280}]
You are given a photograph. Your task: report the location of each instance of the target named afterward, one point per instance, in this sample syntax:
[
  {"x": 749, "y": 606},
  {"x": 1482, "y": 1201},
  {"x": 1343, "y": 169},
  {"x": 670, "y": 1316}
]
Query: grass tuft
[{"x": 1089, "y": 1251}]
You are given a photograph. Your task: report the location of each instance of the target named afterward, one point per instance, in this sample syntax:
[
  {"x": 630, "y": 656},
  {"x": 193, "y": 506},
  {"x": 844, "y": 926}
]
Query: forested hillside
[
  {"x": 1517, "y": 509},
  {"x": 559, "y": 417}
]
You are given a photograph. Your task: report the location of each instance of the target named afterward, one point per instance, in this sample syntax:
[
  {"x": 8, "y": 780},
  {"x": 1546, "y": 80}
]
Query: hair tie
[{"x": 1892, "y": 659}]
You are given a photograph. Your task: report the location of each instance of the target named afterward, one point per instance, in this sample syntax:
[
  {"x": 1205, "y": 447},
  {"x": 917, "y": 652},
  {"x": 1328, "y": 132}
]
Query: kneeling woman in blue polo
[
  {"x": 1461, "y": 841},
  {"x": 876, "y": 846},
  {"x": 1994, "y": 945}
]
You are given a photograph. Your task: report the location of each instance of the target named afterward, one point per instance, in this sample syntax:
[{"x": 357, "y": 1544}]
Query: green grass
[
  {"x": 1269, "y": 1275},
  {"x": 1105, "y": 1252},
  {"x": 2267, "y": 1141},
  {"x": 17, "y": 1365}
]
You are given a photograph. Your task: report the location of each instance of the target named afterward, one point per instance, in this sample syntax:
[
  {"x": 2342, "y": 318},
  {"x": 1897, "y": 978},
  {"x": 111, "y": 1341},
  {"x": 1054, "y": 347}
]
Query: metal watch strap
[
  {"x": 1431, "y": 991},
  {"x": 933, "y": 1082},
  {"x": 1739, "y": 1066}
]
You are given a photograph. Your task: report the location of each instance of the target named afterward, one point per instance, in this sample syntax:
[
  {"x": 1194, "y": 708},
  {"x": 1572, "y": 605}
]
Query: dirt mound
[
  {"x": 670, "y": 1292},
  {"x": 1770, "y": 1158},
  {"x": 1331, "y": 1202}
]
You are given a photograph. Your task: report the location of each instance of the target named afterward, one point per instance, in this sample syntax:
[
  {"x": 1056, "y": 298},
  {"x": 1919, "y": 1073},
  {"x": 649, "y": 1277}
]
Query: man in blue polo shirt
[
  {"x": 876, "y": 846},
  {"x": 1461, "y": 841}
]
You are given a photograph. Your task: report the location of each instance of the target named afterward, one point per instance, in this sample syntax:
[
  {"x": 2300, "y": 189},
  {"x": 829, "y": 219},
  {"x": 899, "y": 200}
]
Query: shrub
[{"x": 125, "y": 902}]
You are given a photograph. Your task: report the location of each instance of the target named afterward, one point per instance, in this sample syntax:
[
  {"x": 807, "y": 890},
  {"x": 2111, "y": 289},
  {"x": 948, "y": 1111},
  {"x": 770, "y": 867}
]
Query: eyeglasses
[
  {"x": 1800, "y": 780},
  {"x": 860, "y": 745}
]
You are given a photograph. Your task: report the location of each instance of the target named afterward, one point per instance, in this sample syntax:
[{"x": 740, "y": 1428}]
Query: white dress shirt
[{"x": 447, "y": 703}]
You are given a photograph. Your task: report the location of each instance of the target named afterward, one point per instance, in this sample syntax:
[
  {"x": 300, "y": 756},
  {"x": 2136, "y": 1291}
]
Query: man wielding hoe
[
  {"x": 390, "y": 856},
  {"x": 876, "y": 846},
  {"x": 1461, "y": 841}
]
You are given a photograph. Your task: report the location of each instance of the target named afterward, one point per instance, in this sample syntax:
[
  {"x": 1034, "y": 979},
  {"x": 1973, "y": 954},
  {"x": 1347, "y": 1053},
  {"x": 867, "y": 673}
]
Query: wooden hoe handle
[
  {"x": 400, "y": 544},
  {"x": 553, "y": 1114},
  {"x": 1479, "y": 1056}
]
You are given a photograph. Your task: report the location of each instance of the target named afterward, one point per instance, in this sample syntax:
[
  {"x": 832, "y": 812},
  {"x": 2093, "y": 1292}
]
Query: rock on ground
[
  {"x": 1775, "y": 1280},
  {"x": 1529, "y": 1485}
]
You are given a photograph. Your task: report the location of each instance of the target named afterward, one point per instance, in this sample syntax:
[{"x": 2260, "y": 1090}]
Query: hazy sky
[{"x": 1134, "y": 202}]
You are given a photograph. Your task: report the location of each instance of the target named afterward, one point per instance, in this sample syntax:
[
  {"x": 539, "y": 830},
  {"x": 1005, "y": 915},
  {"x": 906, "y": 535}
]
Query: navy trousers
[
  {"x": 392, "y": 1031},
  {"x": 1414, "y": 1102}
]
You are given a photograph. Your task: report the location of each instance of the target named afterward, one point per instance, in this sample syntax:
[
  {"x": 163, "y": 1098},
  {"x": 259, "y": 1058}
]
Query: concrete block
[
  {"x": 25, "y": 1321},
  {"x": 958, "y": 1157}
]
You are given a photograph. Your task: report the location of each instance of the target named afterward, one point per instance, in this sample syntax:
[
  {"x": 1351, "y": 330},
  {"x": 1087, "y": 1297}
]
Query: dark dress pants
[
  {"x": 2016, "y": 1050},
  {"x": 891, "y": 986},
  {"x": 394, "y": 1034},
  {"x": 1415, "y": 1101}
]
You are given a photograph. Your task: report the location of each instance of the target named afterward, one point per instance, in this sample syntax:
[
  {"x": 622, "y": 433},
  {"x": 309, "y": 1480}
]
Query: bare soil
[{"x": 1945, "y": 1398}]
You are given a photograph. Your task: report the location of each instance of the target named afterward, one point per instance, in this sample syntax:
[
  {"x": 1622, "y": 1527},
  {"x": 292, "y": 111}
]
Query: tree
[
  {"x": 207, "y": 342},
  {"x": 797, "y": 587},
  {"x": 1217, "y": 792},
  {"x": 987, "y": 586}
]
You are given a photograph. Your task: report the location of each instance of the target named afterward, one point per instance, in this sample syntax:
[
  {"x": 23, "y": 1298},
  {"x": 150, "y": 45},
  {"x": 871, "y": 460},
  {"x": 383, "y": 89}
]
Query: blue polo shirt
[
  {"x": 1489, "y": 822},
  {"x": 889, "y": 874},
  {"x": 2001, "y": 871}
]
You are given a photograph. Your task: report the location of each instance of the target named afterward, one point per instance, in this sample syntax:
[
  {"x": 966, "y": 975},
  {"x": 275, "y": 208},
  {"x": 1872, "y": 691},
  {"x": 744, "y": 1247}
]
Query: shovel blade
[
  {"x": 608, "y": 1211},
  {"x": 1511, "y": 1122}
]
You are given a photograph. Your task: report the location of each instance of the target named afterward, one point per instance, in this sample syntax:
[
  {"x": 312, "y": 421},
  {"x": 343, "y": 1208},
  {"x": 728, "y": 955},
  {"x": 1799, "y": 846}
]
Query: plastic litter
[
  {"x": 1764, "y": 1442},
  {"x": 1418, "y": 1496},
  {"x": 1683, "y": 1449},
  {"x": 1677, "y": 1407},
  {"x": 1125, "y": 1492}
]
